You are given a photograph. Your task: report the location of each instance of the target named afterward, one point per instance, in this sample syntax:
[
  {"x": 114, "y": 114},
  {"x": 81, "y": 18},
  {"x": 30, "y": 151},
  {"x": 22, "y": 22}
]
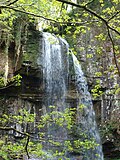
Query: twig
[
  {"x": 32, "y": 14},
  {"x": 113, "y": 16},
  {"x": 5, "y": 87},
  {"x": 114, "y": 54},
  {"x": 89, "y": 2},
  {"x": 26, "y": 146}
]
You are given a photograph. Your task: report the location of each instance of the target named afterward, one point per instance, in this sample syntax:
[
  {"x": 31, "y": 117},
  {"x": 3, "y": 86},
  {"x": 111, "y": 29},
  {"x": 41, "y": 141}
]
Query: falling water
[
  {"x": 53, "y": 69},
  {"x": 86, "y": 120},
  {"x": 55, "y": 72},
  {"x": 55, "y": 76}
]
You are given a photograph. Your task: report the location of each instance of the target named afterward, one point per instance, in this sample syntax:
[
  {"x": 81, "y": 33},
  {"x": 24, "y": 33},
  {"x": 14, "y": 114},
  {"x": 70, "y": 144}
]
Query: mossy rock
[{"x": 32, "y": 46}]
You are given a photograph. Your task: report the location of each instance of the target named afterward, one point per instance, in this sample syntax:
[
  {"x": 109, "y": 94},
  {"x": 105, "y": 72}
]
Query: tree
[{"x": 106, "y": 14}]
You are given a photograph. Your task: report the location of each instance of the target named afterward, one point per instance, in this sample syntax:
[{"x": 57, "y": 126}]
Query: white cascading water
[
  {"x": 53, "y": 68},
  {"x": 86, "y": 120},
  {"x": 55, "y": 74},
  {"x": 55, "y": 77}
]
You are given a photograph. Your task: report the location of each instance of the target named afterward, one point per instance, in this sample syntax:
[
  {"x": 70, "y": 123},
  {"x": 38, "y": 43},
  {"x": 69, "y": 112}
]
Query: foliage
[
  {"x": 74, "y": 21},
  {"x": 26, "y": 143},
  {"x": 15, "y": 80},
  {"x": 71, "y": 20},
  {"x": 96, "y": 91},
  {"x": 108, "y": 129}
]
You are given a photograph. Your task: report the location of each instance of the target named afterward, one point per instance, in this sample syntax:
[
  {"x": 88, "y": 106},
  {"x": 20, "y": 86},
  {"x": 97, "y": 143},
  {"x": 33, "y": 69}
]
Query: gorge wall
[{"x": 30, "y": 93}]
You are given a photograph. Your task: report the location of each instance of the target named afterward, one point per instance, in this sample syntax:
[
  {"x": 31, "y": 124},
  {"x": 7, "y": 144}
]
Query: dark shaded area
[{"x": 110, "y": 150}]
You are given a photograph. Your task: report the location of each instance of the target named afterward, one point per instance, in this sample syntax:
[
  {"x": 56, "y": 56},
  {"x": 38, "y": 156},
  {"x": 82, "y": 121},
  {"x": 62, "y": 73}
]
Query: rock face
[
  {"x": 31, "y": 93},
  {"x": 43, "y": 87}
]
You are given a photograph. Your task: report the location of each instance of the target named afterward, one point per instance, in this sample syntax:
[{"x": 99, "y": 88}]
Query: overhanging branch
[
  {"x": 91, "y": 12},
  {"x": 5, "y": 87},
  {"x": 28, "y": 13},
  {"x": 49, "y": 19},
  {"x": 12, "y": 2},
  {"x": 104, "y": 21}
]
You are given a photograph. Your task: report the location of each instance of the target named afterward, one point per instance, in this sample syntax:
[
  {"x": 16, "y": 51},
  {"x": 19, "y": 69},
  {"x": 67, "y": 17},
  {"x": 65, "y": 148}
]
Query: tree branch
[
  {"x": 104, "y": 21},
  {"x": 26, "y": 146},
  {"x": 52, "y": 20},
  {"x": 11, "y": 128},
  {"x": 114, "y": 54},
  {"x": 28, "y": 13},
  {"x": 12, "y": 2},
  {"x": 7, "y": 86},
  {"x": 89, "y": 3},
  {"x": 91, "y": 12},
  {"x": 114, "y": 15},
  {"x": 23, "y": 133}
]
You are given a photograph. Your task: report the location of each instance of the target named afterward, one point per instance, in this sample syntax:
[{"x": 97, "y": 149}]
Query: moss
[{"x": 32, "y": 46}]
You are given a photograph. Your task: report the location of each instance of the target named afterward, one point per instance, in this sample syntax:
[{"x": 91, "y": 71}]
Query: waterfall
[
  {"x": 86, "y": 120},
  {"x": 55, "y": 75},
  {"x": 55, "y": 63},
  {"x": 55, "y": 70}
]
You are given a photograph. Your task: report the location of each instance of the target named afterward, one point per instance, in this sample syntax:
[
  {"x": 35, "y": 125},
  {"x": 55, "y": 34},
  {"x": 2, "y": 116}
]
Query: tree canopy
[{"x": 77, "y": 14}]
